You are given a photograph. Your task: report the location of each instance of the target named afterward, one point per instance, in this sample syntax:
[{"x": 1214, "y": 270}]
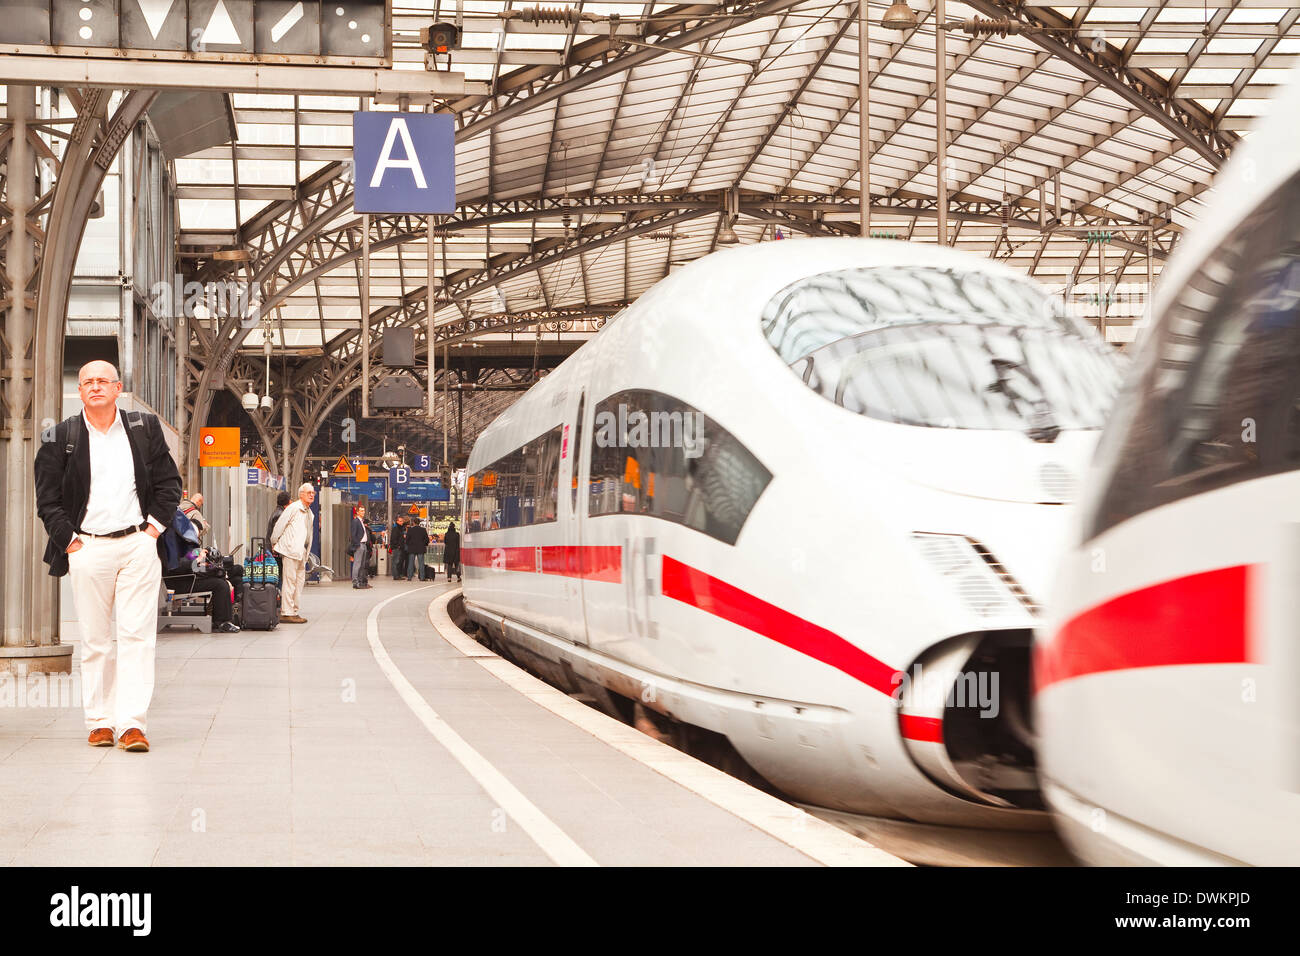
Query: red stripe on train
[
  {"x": 1198, "y": 619},
  {"x": 714, "y": 596},
  {"x": 929, "y": 729},
  {"x": 698, "y": 589},
  {"x": 593, "y": 562}
]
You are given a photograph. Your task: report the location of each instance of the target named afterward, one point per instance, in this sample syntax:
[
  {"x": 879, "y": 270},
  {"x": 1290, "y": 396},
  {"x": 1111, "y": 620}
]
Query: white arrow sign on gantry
[
  {"x": 155, "y": 13},
  {"x": 220, "y": 28}
]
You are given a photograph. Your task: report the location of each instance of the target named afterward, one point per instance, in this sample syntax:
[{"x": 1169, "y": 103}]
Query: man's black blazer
[
  {"x": 63, "y": 493},
  {"x": 416, "y": 540},
  {"x": 357, "y": 530}
]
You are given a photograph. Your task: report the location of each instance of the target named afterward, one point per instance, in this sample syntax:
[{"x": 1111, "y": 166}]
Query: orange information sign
[
  {"x": 218, "y": 447},
  {"x": 343, "y": 467},
  {"x": 363, "y": 472}
]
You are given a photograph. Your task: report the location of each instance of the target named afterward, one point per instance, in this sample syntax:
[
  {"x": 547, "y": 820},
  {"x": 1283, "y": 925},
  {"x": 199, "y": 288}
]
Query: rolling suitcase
[{"x": 260, "y": 607}]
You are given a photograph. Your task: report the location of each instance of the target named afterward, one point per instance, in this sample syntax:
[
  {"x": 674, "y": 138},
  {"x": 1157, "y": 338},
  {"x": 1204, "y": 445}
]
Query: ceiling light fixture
[{"x": 899, "y": 16}]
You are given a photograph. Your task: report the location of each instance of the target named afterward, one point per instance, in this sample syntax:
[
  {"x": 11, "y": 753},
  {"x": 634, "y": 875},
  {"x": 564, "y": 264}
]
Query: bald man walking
[{"x": 106, "y": 488}]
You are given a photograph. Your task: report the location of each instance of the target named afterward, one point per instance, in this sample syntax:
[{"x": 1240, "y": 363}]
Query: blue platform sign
[
  {"x": 404, "y": 162},
  {"x": 423, "y": 462},
  {"x": 399, "y": 476},
  {"x": 420, "y": 491},
  {"x": 373, "y": 489}
]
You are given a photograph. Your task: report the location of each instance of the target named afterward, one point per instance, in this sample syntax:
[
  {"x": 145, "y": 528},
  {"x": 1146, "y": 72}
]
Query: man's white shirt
[{"x": 113, "y": 503}]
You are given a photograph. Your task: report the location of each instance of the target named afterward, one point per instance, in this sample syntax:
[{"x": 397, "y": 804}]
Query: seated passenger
[
  {"x": 213, "y": 582},
  {"x": 188, "y": 572}
]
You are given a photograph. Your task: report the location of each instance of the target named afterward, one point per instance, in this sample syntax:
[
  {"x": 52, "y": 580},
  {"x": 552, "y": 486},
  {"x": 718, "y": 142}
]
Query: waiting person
[
  {"x": 291, "y": 540},
  {"x": 185, "y": 581},
  {"x": 359, "y": 548},
  {"x": 190, "y": 508},
  {"x": 451, "y": 551},
  {"x": 281, "y": 502},
  {"x": 106, "y": 489},
  {"x": 397, "y": 547},
  {"x": 417, "y": 543}
]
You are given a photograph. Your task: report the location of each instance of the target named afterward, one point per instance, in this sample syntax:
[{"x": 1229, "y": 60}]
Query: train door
[{"x": 572, "y": 510}]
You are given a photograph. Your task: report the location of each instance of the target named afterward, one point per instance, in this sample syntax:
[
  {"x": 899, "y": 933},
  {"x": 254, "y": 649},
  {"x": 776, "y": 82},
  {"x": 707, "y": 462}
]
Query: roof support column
[
  {"x": 20, "y": 450},
  {"x": 941, "y": 118},
  {"x": 864, "y": 118}
]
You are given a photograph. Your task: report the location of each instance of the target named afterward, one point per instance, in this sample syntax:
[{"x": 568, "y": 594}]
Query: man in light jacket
[{"x": 291, "y": 540}]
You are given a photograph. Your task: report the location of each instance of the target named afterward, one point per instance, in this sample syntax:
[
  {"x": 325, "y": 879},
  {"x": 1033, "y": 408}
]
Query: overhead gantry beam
[{"x": 119, "y": 73}]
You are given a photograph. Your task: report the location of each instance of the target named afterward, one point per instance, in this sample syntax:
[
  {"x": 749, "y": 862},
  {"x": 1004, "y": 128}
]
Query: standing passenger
[
  {"x": 291, "y": 539},
  {"x": 397, "y": 547},
  {"x": 359, "y": 548},
  {"x": 417, "y": 543},
  {"x": 103, "y": 473},
  {"x": 451, "y": 551}
]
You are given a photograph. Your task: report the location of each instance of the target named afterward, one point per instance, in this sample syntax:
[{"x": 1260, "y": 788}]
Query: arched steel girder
[
  {"x": 322, "y": 390},
  {"x": 345, "y": 357},
  {"x": 300, "y": 456},
  {"x": 1143, "y": 89},
  {"x": 799, "y": 212},
  {"x": 389, "y": 231},
  {"x": 462, "y": 285},
  {"x": 602, "y": 57}
]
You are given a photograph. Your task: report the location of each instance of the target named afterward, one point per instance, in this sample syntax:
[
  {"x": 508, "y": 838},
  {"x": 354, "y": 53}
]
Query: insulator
[
  {"x": 1002, "y": 26},
  {"x": 566, "y": 15}
]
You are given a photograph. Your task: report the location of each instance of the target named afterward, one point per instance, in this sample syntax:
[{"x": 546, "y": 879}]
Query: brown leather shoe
[
  {"x": 134, "y": 740},
  {"x": 102, "y": 737},
  {"x": 293, "y": 619}
]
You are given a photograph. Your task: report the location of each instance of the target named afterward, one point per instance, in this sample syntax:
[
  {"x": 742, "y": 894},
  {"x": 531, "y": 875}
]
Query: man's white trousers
[{"x": 122, "y": 576}]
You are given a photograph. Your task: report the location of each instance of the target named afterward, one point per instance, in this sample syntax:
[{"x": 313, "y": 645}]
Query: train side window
[
  {"x": 1217, "y": 400},
  {"x": 653, "y": 454},
  {"x": 518, "y": 489}
]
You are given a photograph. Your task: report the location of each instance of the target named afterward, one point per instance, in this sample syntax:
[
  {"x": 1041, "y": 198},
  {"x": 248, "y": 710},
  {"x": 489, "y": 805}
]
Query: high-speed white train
[
  {"x": 1167, "y": 678},
  {"x": 804, "y": 495}
]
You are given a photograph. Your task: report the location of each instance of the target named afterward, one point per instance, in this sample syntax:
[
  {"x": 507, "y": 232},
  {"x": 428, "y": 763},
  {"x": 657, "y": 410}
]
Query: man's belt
[{"x": 117, "y": 534}]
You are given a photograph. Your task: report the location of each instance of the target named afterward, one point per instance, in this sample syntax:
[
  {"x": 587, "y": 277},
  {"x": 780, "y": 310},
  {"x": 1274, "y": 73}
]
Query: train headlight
[{"x": 980, "y": 582}]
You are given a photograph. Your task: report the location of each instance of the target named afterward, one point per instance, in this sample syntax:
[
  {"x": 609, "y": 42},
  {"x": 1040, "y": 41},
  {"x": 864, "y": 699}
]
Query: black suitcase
[
  {"x": 260, "y": 607},
  {"x": 429, "y": 573}
]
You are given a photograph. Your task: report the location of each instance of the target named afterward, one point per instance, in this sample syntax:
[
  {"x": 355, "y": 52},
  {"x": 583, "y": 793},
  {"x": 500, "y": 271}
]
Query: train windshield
[
  {"x": 944, "y": 349},
  {"x": 1215, "y": 397}
]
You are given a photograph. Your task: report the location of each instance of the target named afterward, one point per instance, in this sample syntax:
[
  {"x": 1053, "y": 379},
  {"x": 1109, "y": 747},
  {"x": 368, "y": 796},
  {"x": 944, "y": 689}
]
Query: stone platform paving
[{"x": 291, "y": 747}]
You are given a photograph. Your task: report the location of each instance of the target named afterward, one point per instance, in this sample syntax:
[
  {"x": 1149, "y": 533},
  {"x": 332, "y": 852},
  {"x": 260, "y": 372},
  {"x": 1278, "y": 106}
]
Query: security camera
[
  {"x": 250, "y": 400},
  {"x": 440, "y": 38}
]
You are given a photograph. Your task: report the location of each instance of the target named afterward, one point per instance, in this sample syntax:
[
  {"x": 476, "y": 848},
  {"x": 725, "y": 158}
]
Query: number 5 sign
[{"x": 423, "y": 462}]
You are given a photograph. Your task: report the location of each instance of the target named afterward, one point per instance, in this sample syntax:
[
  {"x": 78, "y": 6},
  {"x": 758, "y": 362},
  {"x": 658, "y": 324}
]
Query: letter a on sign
[{"x": 404, "y": 163}]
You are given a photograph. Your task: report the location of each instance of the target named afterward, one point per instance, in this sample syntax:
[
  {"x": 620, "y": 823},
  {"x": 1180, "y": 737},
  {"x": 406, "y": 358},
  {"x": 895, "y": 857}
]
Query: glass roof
[{"x": 582, "y": 183}]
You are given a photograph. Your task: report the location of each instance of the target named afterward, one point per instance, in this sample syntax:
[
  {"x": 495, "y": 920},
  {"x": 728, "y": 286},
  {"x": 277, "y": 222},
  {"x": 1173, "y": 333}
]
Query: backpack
[
  {"x": 133, "y": 420},
  {"x": 181, "y": 543}
]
